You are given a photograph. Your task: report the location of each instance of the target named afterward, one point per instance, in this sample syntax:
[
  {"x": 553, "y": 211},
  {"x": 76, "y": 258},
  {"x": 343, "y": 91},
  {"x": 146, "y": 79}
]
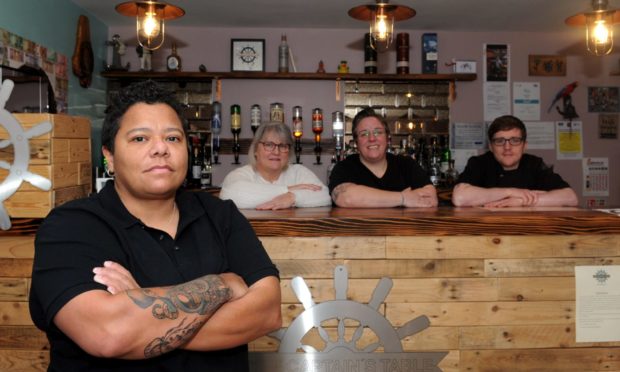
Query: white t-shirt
[{"x": 247, "y": 188}]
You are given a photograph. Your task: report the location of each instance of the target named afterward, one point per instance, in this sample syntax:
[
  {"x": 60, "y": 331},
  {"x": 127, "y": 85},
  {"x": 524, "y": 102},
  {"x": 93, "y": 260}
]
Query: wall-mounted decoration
[
  {"x": 546, "y": 65},
  {"x": 608, "y": 126},
  {"x": 247, "y": 55},
  {"x": 496, "y": 62},
  {"x": 603, "y": 99},
  {"x": 15, "y": 52}
]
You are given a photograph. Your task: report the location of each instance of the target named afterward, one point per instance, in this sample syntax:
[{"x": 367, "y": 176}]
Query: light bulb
[
  {"x": 601, "y": 32},
  {"x": 150, "y": 25},
  {"x": 381, "y": 28}
]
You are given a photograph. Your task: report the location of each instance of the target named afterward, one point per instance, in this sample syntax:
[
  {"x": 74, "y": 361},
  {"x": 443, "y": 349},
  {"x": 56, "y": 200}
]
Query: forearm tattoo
[
  {"x": 339, "y": 190},
  {"x": 174, "y": 338},
  {"x": 201, "y": 296}
]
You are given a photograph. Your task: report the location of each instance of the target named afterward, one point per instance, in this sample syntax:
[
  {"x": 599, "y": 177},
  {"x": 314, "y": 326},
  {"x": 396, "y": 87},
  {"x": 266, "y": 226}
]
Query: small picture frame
[
  {"x": 465, "y": 67},
  {"x": 546, "y": 65},
  {"x": 247, "y": 55}
]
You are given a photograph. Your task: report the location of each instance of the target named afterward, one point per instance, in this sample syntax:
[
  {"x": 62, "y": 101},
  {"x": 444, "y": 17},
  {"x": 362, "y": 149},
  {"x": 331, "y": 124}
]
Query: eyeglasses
[
  {"x": 270, "y": 146},
  {"x": 365, "y": 134},
  {"x": 501, "y": 141}
]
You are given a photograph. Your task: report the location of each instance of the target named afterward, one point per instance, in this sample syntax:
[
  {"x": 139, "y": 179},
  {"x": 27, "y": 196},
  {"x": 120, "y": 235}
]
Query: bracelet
[{"x": 402, "y": 199}]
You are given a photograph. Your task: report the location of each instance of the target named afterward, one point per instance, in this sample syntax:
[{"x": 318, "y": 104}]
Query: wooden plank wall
[{"x": 496, "y": 303}]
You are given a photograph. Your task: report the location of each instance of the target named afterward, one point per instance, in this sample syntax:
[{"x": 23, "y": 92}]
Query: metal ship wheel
[
  {"x": 367, "y": 315},
  {"x": 18, "y": 171}
]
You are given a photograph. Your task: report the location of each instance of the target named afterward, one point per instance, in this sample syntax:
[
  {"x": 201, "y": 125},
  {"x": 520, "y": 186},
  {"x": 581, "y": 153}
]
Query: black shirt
[
  {"x": 532, "y": 174},
  {"x": 212, "y": 237},
  {"x": 401, "y": 172}
]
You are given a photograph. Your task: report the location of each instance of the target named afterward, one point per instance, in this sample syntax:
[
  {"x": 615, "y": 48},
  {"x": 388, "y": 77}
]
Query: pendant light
[
  {"x": 381, "y": 16},
  {"x": 150, "y": 17},
  {"x": 599, "y": 26}
]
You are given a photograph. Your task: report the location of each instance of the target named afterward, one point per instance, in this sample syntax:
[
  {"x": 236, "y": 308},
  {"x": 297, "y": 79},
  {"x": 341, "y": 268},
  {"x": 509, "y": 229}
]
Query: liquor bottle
[
  {"x": 317, "y": 129},
  {"x": 255, "y": 117},
  {"x": 402, "y": 53},
  {"x": 370, "y": 56},
  {"x": 446, "y": 155},
  {"x": 338, "y": 132},
  {"x": 298, "y": 131},
  {"x": 235, "y": 119},
  {"x": 173, "y": 62},
  {"x": 197, "y": 160},
  {"x": 235, "y": 128},
  {"x": 283, "y": 54},
  {"x": 216, "y": 128},
  {"x": 298, "y": 122},
  {"x": 452, "y": 174},
  {"x": 206, "y": 175}
]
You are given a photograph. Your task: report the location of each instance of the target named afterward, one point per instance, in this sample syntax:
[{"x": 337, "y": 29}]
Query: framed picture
[
  {"x": 603, "y": 99},
  {"x": 542, "y": 65},
  {"x": 247, "y": 55}
]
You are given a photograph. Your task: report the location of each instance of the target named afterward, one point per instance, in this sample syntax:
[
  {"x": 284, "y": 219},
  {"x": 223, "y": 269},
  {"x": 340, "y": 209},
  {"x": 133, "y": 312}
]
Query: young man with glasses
[
  {"x": 375, "y": 179},
  {"x": 505, "y": 176}
]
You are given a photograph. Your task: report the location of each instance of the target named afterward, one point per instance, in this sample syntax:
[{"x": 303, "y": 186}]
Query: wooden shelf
[{"x": 188, "y": 76}]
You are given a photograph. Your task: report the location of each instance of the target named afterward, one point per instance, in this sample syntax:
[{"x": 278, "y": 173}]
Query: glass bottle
[
  {"x": 370, "y": 56},
  {"x": 317, "y": 129},
  {"x": 283, "y": 54},
  {"x": 173, "y": 61},
  {"x": 206, "y": 175},
  {"x": 298, "y": 131},
  {"x": 235, "y": 128},
  {"x": 196, "y": 162},
  {"x": 216, "y": 128},
  {"x": 255, "y": 117}
]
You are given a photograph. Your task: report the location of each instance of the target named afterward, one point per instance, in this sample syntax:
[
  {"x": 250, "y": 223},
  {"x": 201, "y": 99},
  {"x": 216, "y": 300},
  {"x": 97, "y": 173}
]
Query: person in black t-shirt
[
  {"x": 507, "y": 177},
  {"x": 145, "y": 276},
  {"x": 374, "y": 178}
]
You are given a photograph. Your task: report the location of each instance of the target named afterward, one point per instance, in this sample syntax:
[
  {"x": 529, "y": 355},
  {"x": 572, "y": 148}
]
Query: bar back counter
[{"x": 498, "y": 286}]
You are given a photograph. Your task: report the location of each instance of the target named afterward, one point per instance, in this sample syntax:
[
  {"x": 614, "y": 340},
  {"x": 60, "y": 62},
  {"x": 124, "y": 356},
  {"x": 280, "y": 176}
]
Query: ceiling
[{"x": 448, "y": 15}]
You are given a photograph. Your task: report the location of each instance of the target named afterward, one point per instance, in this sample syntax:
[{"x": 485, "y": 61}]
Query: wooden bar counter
[{"x": 497, "y": 285}]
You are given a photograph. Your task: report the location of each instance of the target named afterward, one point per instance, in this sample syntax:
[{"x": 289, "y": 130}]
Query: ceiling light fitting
[
  {"x": 150, "y": 17},
  {"x": 599, "y": 26},
  {"x": 381, "y": 16}
]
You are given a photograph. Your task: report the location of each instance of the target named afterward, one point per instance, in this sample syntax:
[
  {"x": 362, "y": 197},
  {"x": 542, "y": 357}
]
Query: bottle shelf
[{"x": 191, "y": 75}]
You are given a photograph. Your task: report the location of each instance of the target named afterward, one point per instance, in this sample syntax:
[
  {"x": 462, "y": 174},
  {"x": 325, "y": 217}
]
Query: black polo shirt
[
  {"x": 532, "y": 174},
  {"x": 401, "y": 172},
  {"x": 212, "y": 237}
]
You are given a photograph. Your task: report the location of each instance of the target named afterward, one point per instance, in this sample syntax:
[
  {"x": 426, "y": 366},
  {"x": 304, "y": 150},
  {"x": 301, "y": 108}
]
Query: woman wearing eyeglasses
[
  {"x": 505, "y": 176},
  {"x": 375, "y": 179},
  {"x": 269, "y": 182}
]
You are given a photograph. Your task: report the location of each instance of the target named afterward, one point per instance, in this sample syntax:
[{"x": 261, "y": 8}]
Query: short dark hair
[
  {"x": 146, "y": 91},
  {"x": 507, "y": 122},
  {"x": 368, "y": 112}
]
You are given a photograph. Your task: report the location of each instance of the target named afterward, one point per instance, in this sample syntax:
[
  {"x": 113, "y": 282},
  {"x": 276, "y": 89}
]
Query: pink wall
[{"x": 211, "y": 47}]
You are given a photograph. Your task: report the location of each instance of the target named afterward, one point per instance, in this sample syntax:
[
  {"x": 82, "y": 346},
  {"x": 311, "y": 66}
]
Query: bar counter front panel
[{"x": 497, "y": 285}]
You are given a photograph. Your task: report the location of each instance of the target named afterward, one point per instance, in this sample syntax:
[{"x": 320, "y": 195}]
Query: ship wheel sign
[
  {"x": 18, "y": 171},
  {"x": 344, "y": 353}
]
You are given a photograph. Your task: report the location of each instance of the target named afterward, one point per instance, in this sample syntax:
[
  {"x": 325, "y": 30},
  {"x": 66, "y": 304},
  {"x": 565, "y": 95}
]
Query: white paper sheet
[{"x": 597, "y": 294}]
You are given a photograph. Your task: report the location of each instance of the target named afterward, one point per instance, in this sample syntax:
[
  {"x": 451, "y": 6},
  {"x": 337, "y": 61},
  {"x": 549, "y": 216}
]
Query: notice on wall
[
  {"x": 496, "y": 100},
  {"x": 597, "y": 296},
  {"x": 540, "y": 135},
  {"x": 467, "y": 135},
  {"x": 526, "y": 101},
  {"x": 595, "y": 177},
  {"x": 569, "y": 139}
]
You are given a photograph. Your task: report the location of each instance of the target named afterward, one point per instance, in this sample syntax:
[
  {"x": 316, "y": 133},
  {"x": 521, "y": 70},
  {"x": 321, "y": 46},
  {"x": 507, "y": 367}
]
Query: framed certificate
[{"x": 247, "y": 54}]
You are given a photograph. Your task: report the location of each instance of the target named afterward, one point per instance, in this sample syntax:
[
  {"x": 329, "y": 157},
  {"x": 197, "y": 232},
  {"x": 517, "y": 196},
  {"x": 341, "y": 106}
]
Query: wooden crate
[{"x": 63, "y": 156}]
